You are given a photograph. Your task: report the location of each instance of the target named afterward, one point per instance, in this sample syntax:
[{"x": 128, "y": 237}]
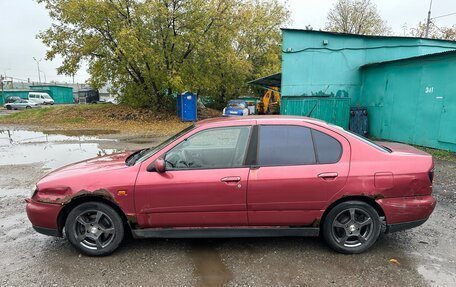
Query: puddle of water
[
  {"x": 437, "y": 276},
  {"x": 53, "y": 151},
  {"x": 209, "y": 267}
]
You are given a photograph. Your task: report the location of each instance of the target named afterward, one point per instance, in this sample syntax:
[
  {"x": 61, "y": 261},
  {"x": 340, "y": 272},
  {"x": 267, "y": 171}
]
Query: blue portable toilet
[{"x": 187, "y": 107}]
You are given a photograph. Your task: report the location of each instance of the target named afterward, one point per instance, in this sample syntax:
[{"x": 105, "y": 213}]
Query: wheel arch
[
  {"x": 61, "y": 219},
  {"x": 366, "y": 199}
]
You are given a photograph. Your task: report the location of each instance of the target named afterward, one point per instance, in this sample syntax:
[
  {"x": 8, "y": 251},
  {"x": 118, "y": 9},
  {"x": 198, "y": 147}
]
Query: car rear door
[
  {"x": 299, "y": 168},
  {"x": 205, "y": 182}
]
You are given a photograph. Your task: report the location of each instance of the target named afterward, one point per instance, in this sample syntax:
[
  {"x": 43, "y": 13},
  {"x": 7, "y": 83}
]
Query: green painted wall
[
  {"x": 13, "y": 93},
  {"x": 310, "y": 68},
  {"x": 60, "y": 94},
  {"x": 329, "y": 65},
  {"x": 413, "y": 101},
  {"x": 333, "y": 110}
]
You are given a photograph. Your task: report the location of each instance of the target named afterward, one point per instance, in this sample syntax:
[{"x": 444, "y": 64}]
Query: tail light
[{"x": 431, "y": 175}]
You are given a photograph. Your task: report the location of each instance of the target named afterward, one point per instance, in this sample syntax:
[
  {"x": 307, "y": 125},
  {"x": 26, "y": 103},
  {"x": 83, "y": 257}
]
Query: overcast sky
[{"x": 21, "y": 20}]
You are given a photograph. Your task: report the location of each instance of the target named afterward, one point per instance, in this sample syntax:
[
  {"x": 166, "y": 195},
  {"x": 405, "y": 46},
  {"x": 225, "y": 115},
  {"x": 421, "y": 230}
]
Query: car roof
[{"x": 261, "y": 118}]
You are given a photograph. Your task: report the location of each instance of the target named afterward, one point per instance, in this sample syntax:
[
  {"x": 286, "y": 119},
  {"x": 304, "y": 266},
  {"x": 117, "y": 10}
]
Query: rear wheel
[
  {"x": 351, "y": 227},
  {"x": 9, "y": 108},
  {"x": 94, "y": 228}
]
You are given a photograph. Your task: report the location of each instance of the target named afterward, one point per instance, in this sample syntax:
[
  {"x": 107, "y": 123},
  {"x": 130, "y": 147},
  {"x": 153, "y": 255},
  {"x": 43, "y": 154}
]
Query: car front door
[
  {"x": 298, "y": 170},
  {"x": 205, "y": 182}
]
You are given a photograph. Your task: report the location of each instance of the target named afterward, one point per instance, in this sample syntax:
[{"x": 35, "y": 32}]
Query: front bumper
[
  {"x": 43, "y": 217},
  {"x": 406, "y": 212}
]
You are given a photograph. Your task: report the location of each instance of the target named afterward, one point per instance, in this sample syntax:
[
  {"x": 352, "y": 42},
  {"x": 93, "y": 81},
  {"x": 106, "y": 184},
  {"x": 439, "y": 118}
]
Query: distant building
[{"x": 60, "y": 94}]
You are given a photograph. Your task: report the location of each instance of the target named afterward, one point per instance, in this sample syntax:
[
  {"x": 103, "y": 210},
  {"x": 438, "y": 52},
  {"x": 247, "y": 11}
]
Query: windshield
[
  {"x": 144, "y": 154},
  {"x": 46, "y": 96},
  {"x": 236, "y": 105}
]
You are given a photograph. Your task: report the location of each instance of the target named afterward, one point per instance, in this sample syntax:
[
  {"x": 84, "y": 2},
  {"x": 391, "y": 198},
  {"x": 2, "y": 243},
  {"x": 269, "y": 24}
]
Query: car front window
[
  {"x": 213, "y": 148},
  {"x": 144, "y": 154}
]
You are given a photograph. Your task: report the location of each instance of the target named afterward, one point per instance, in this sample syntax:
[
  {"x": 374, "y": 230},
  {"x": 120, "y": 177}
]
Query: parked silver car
[{"x": 21, "y": 105}]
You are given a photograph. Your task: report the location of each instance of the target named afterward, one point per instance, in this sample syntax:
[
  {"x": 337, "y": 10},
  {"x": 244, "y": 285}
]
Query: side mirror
[{"x": 158, "y": 166}]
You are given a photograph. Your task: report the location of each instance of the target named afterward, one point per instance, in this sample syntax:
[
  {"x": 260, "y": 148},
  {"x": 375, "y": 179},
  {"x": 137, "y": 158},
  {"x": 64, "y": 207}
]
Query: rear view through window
[
  {"x": 285, "y": 145},
  {"x": 327, "y": 148},
  {"x": 296, "y": 145}
]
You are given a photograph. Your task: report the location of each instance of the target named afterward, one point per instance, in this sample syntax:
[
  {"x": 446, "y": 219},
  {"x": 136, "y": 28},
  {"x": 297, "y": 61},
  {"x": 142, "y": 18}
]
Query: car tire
[
  {"x": 28, "y": 107},
  {"x": 94, "y": 228},
  {"x": 351, "y": 227},
  {"x": 9, "y": 108}
]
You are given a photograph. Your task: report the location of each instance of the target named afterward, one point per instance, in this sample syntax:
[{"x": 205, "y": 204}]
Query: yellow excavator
[{"x": 270, "y": 102}]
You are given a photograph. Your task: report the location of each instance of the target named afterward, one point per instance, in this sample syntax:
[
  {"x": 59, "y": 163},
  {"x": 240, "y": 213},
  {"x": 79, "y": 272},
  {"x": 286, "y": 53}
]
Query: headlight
[{"x": 34, "y": 191}]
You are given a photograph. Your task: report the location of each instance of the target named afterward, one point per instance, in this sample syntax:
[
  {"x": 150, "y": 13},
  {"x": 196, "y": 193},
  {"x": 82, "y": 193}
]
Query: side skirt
[{"x": 219, "y": 232}]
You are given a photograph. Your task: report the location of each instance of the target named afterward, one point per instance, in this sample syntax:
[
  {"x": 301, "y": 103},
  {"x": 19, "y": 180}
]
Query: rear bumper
[
  {"x": 407, "y": 212},
  {"x": 43, "y": 217},
  {"x": 404, "y": 225}
]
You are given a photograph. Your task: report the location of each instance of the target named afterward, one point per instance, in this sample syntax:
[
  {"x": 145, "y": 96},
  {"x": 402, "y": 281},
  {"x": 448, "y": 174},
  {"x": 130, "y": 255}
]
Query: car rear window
[{"x": 285, "y": 145}]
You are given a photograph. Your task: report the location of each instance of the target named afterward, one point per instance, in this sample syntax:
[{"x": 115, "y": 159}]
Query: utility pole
[
  {"x": 1, "y": 84},
  {"x": 38, "y": 65},
  {"x": 44, "y": 74},
  {"x": 428, "y": 21}
]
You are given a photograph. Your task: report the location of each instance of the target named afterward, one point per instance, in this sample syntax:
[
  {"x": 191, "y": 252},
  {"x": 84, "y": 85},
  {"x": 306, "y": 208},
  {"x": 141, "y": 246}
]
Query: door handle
[
  {"x": 231, "y": 179},
  {"x": 328, "y": 175}
]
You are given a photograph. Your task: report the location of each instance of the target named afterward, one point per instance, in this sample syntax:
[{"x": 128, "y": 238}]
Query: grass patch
[
  {"x": 117, "y": 118},
  {"x": 74, "y": 121},
  {"x": 439, "y": 154}
]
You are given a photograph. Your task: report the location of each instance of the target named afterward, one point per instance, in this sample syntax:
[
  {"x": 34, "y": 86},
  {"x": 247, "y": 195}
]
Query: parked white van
[{"x": 40, "y": 98}]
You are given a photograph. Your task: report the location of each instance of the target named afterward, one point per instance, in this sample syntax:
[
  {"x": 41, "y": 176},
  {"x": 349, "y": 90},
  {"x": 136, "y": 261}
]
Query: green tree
[
  {"x": 356, "y": 17},
  {"x": 146, "y": 49}
]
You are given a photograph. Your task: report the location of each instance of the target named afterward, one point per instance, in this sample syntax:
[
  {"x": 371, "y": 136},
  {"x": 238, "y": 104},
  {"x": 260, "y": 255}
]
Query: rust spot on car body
[
  {"x": 132, "y": 220},
  {"x": 68, "y": 198},
  {"x": 316, "y": 222}
]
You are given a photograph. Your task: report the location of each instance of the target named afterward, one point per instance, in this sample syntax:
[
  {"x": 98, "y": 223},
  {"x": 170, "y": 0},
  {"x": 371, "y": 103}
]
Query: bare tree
[
  {"x": 356, "y": 17},
  {"x": 435, "y": 32}
]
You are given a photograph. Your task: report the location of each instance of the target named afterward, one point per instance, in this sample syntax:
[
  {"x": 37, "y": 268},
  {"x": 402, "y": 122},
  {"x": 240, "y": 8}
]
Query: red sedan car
[{"x": 240, "y": 177}]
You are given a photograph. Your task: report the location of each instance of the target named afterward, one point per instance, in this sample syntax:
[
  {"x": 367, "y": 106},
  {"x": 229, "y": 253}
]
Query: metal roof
[
  {"x": 365, "y": 36},
  {"x": 49, "y": 85},
  {"x": 450, "y": 52},
  {"x": 274, "y": 80}
]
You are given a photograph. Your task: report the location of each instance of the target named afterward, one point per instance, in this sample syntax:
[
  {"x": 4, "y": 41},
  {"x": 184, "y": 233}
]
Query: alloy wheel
[
  {"x": 352, "y": 227},
  {"x": 94, "y": 229}
]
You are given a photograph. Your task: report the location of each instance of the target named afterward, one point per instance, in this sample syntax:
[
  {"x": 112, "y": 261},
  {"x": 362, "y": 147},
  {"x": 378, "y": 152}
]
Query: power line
[{"x": 444, "y": 15}]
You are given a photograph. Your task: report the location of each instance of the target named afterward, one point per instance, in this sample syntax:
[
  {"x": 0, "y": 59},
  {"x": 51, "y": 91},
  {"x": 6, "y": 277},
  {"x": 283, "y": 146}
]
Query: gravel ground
[{"x": 424, "y": 256}]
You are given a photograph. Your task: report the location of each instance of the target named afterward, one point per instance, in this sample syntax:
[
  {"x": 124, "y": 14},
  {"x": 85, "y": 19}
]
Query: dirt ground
[{"x": 424, "y": 256}]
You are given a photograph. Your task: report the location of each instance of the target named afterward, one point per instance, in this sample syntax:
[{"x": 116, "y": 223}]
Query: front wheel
[
  {"x": 94, "y": 228},
  {"x": 28, "y": 107},
  {"x": 352, "y": 227}
]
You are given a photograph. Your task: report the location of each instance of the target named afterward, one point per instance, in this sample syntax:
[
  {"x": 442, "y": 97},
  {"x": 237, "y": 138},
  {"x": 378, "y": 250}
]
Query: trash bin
[
  {"x": 359, "y": 121},
  {"x": 187, "y": 107}
]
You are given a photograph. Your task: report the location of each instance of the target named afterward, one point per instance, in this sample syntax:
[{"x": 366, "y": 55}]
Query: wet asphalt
[{"x": 424, "y": 256}]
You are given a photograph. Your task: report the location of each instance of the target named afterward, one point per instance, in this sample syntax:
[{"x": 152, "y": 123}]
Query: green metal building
[
  {"x": 413, "y": 100},
  {"x": 5, "y": 94},
  {"x": 60, "y": 94},
  {"x": 326, "y": 73}
]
